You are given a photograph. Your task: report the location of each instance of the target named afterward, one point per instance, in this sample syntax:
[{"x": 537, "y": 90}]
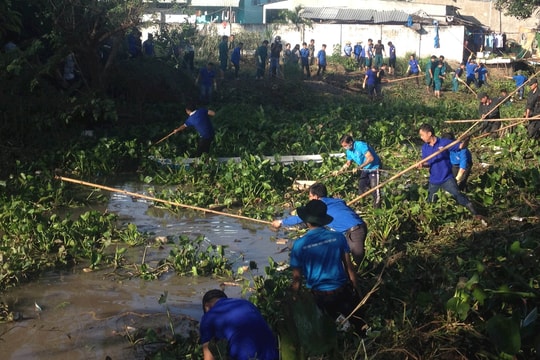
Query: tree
[
  {"x": 294, "y": 17},
  {"x": 10, "y": 20},
  {"x": 521, "y": 9}
]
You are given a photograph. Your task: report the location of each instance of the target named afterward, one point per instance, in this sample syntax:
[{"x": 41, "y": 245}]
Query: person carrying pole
[
  {"x": 440, "y": 168},
  {"x": 346, "y": 220},
  {"x": 367, "y": 162}
]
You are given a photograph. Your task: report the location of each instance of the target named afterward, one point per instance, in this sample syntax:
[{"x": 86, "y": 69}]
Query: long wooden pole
[
  {"x": 165, "y": 137},
  {"x": 80, "y": 182},
  {"x": 401, "y": 173},
  {"x": 498, "y": 130},
  {"x": 488, "y": 120},
  {"x": 414, "y": 166},
  {"x": 509, "y": 96},
  {"x": 468, "y": 87},
  {"x": 402, "y": 79}
]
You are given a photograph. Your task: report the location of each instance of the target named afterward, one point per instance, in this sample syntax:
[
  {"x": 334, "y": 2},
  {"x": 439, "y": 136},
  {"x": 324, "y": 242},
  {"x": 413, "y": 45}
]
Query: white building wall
[{"x": 405, "y": 39}]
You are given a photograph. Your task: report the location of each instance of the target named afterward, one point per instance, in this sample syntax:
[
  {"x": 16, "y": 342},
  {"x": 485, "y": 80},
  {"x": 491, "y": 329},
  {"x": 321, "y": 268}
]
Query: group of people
[
  {"x": 371, "y": 54},
  {"x": 326, "y": 257}
]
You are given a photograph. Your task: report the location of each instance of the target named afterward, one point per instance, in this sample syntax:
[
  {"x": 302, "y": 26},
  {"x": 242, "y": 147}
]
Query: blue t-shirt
[
  {"x": 321, "y": 57},
  {"x": 482, "y": 72},
  {"x": 415, "y": 67},
  {"x": 471, "y": 69},
  {"x": 371, "y": 77},
  {"x": 363, "y": 52},
  {"x": 392, "y": 51},
  {"x": 347, "y": 50},
  {"x": 461, "y": 158},
  {"x": 357, "y": 49},
  {"x": 206, "y": 77},
  {"x": 359, "y": 150},
  {"x": 440, "y": 168},
  {"x": 304, "y": 56},
  {"x": 519, "y": 79},
  {"x": 200, "y": 120},
  {"x": 344, "y": 217},
  {"x": 318, "y": 254},
  {"x": 235, "y": 56},
  {"x": 242, "y": 325}
]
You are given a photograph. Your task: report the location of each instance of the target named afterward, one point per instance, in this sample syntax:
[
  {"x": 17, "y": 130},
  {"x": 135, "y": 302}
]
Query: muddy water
[{"x": 89, "y": 315}]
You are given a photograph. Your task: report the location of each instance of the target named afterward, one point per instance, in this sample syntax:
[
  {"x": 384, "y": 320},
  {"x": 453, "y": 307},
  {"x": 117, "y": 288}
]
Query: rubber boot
[{"x": 471, "y": 208}]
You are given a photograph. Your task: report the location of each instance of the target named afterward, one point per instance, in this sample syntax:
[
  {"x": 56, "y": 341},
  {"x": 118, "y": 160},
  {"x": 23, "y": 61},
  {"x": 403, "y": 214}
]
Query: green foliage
[
  {"x": 294, "y": 17},
  {"x": 448, "y": 286},
  {"x": 190, "y": 257},
  {"x": 521, "y": 9}
]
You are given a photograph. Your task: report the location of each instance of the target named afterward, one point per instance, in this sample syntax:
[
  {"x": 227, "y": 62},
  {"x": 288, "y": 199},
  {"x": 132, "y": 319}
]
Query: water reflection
[{"x": 85, "y": 315}]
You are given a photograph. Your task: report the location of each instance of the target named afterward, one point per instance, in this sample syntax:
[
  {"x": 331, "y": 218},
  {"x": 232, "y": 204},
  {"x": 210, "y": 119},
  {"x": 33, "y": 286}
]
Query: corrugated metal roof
[
  {"x": 320, "y": 13},
  {"x": 392, "y": 16},
  {"x": 358, "y": 15}
]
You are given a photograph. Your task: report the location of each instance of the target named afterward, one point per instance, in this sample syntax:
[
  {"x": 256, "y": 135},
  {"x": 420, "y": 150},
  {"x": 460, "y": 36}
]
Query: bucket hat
[{"x": 314, "y": 213}]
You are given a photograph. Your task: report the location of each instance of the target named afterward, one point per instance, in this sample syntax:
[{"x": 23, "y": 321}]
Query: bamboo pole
[
  {"x": 402, "y": 79},
  {"x": 468, "y": 87},
  {"x": 401, "y": 173},
  {"x": 509, "y": 95},
  {"x": 501, "y": 129},
  {"x": 165, "y": 137},
  {"x": 80, "y": 182},
  {"x": 414, "y": 166},
  {"x": 488, "y": 120}
]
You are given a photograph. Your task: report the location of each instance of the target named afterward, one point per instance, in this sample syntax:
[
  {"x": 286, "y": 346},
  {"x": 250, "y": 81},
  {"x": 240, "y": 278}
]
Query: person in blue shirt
[
  {"x": 346, "y": 220},
  {"x": 235, "y": 59},
  {"x": 321, "y": 60},
  {"x": 304, "y": 59},
  {"x": 261, "y": 54},
  {"x": 370, "y": 81},
  {"x": 207, "y": 82},
  {"x": 519, "y": 79},
  {"x": 321, "y": 257},
  {"x": 470, "y": 69},
  {"x": 414, "y": 68},
  {"x": 357, "y": 51},
  {"x": 238, "y": 322},
  {"x": 461, "y": 161},
  {"x": 362, "y": 60},
  {"x": 367, "y": 162},
  {"x": 482, "y": 75},
  {"x": 199, "y": 118},
  {"x": 440, "y": 168}
]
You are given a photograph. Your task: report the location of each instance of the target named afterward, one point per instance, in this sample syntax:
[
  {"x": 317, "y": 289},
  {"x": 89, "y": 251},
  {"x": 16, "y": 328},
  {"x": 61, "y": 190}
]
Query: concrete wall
[{"x": 405, "y": 39}]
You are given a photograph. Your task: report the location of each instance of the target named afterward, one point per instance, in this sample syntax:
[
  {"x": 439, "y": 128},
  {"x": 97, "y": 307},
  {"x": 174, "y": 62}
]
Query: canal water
[{"x": 91, "y": 315}]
